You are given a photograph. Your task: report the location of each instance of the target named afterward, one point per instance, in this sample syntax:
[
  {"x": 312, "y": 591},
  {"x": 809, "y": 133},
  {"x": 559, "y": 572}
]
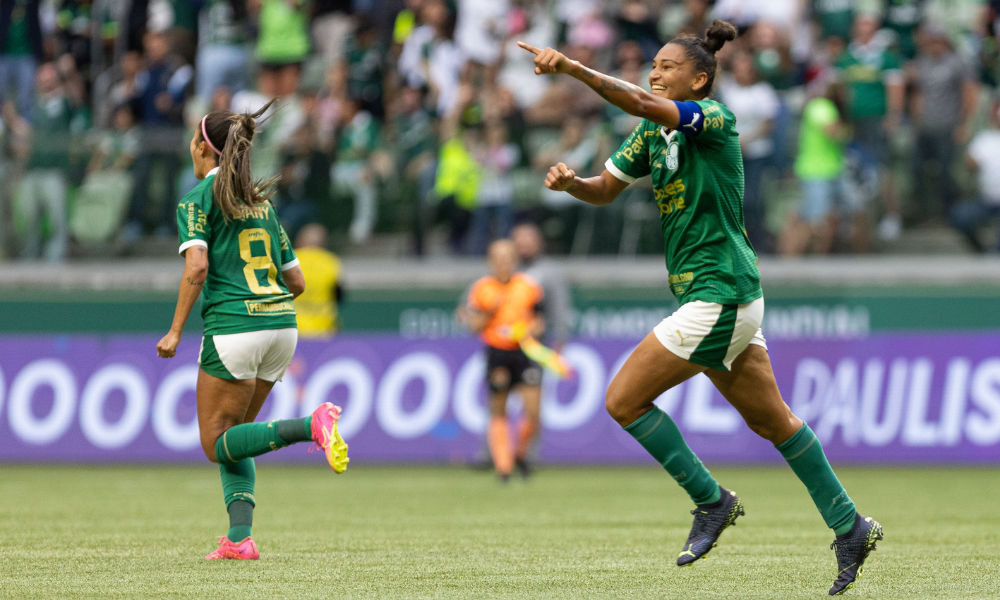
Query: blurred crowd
[{"x": 421, "y": 120}]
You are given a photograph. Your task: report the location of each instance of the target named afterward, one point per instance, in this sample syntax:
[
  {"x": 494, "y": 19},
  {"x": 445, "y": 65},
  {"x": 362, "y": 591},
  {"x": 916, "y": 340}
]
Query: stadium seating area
[{"x": 417, "y": 127}]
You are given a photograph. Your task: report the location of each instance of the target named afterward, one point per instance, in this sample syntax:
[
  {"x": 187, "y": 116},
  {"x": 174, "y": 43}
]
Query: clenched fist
[
  {"x": 548, "y": 61},
  {"x": 560, "y": 178}
]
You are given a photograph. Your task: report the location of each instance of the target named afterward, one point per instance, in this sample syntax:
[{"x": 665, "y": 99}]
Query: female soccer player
[
  {"x": 238, "y": 258},
  {"x": 688, "y": 144}
]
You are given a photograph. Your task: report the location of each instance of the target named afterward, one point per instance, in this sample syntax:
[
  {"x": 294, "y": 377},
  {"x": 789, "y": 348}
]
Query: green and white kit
[
  {"x": 244, "y": 292},
  {"x": 698, "y": 186}
]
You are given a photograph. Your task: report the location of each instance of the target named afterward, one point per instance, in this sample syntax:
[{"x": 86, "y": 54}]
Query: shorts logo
[{"x": 680, "y": 335}]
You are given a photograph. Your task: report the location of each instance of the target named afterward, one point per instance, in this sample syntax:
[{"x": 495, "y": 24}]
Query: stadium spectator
[
  {"x": 819, "y": 166},
  {"x": 162, "y": 85},
  {"x": 756, "y": 106},
  {"x": 983, "y": 158},
  {"x": 943, "y": 106},
  {"x": 43, "y": 189},
  {"x": 362, "y": 67},
  {"x": 456, "y": 183},
  {"x": 575, "y": 148},
  {"x": 430, "y": 58},
  {"x": 632, "y": 68},
  {"x": 834, "y": 17},
  {"x": 303, "y": 193},
  {"x": 516, "y": 73},
  {"x": 497, "y": 156},
  {"x": 353, "y": 173},
  {"x": 316, "y": 307},
  {"x": 903, "y": 18},
  {"x": 282, "y": 44},
  {"x": 639, "y": 24},
  {"x": 103, "y": 196},
  {"x": 20, "y": 51},
  {"x": 480, "y": 29},
  {"x": 160, "y": 91},
  {"x": 332, "y": 26},
  {"x": 874, "y": 84},
  {"x": 557, "y": 308},
  {"x": 122, "y": 91},
  {"x": 416, "y": 156},
  {"x": 223, "y": 57},
  {"x": 567, "y": 96}
]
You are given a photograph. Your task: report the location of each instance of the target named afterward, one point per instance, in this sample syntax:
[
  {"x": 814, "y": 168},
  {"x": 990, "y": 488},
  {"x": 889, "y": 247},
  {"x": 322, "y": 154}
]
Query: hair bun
[
  {"x": 249, "y": 124},
  {"x": 718, "y": 34}
]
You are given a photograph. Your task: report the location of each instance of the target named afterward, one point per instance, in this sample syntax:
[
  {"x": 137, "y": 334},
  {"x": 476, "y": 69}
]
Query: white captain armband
[{"x": 692, "y": 120}]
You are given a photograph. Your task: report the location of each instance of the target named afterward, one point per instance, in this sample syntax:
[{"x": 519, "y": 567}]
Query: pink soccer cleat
[
  {"x": 326, "y": 436},
  {"x": 245, "y": 550}
]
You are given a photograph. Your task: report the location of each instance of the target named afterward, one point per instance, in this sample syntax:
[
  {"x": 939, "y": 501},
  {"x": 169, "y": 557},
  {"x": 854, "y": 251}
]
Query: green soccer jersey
[
  {"x": 864, "y": 72},
  {"x": 698, "y": 186},
  {"x": 244, "y": 290}
]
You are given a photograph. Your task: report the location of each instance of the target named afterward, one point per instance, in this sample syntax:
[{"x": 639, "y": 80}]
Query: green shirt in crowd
[
  {"x": 698, "y": 186},
  {"x": 247, "y": 255},
  {"x": 18, "y": 43},
  {"x": 358, "y": 139},
  {"x": 821, "y": 156},
  {"x": 903, "y": 17},
  {"x": 835, "y": 17},
  {"x": 51, "y": 132},
  {"x": 864, "y": 71},
  {"x": 219, "y": 25},
  {"x": 283, "y": 34}
]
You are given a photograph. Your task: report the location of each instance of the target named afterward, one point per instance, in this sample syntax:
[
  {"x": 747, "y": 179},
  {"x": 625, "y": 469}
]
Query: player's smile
[{"x": 670, "y": 77}]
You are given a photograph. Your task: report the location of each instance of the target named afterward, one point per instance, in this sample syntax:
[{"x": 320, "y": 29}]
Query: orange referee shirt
[{"x": 513, "y": 302}]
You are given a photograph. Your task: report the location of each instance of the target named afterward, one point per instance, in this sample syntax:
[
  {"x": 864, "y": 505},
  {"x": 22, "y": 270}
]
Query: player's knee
[
  {"x": 209, "y": 440},
  {"x": 618, "y": 406},
  {"x": 208, "y": 447}
]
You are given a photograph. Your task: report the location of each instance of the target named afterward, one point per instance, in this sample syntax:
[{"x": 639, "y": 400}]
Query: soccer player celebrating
[
  {"x": 503, "y": 309},
  {"x": 688, "y": 144},
  {"x": 239, "y": 259}
]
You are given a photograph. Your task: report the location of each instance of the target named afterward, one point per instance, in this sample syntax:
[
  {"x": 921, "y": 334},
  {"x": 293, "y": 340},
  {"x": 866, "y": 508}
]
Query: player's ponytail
[
  {"x": 701, "y": 51},
  {"x": 230, "y": 135}
]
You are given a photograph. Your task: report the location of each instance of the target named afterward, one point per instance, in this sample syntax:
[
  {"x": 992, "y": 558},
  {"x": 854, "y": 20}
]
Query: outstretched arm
[{"x": 631, "y": 98}]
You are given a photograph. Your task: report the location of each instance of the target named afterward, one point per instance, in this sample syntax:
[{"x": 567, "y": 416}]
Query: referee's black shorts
[{"x": 508, "y": 368}]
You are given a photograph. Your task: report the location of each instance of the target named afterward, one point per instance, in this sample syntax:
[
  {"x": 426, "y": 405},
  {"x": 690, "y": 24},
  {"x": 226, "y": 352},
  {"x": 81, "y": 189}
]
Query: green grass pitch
[{"x": 422, "y": 532}]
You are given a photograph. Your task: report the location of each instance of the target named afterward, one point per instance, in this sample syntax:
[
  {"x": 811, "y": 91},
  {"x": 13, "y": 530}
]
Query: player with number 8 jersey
[
  {"x": 239, "y": 260},
  {"x": 245, "y": 289}
]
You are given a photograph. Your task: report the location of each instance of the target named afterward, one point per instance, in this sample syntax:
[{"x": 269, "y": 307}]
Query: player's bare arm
[
  {"x": 295, "y": 281},
  {"x": 631, "y": 98},
  {"x": 599, "y": 190},
  {"x": 192, "y": 282}
]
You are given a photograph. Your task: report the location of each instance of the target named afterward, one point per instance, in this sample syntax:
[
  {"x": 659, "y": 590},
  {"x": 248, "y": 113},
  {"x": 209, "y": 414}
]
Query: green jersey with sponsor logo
[
  {"x": 698, "y": 187},
  {"x": 244, "y": 290}
]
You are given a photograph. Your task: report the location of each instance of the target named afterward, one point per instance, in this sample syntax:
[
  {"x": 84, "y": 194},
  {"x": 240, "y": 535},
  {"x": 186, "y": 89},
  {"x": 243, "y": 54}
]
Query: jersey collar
[
  {"x": 212, "y": 172},
  {"x": 667, "y": 136}
]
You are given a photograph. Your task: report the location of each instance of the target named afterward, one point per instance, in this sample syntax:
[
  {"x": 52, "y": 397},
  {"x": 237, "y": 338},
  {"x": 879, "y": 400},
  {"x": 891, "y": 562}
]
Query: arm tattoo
[
  {"x": 194, "y": 282},
  {"x": 604, "y": 85}
]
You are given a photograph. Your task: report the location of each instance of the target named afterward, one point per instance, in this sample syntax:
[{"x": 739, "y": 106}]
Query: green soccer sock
[
  {"x": 805, "y": 456},
  {"x": 295, "y": 430},
  {"x": 659, "y": 435},
  {"x": 240, "y": 519},
  {"x": 253, "y": 439},
  {"x": 238, "y": 481}
]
